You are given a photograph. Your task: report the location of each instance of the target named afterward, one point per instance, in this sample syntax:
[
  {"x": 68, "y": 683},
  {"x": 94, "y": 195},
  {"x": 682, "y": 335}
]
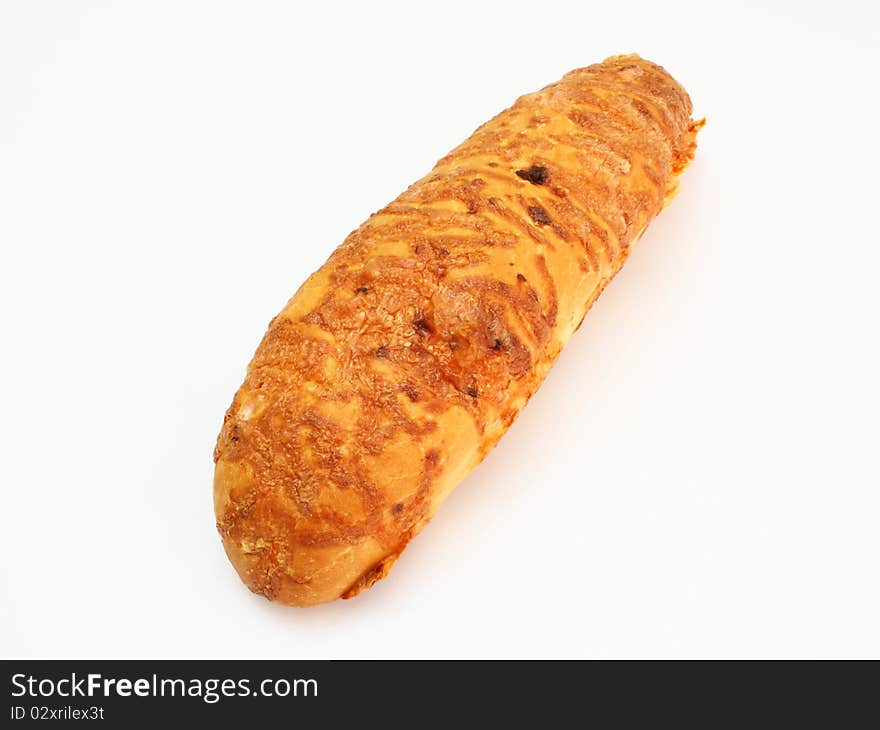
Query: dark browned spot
[
  {"x": 411, "y": 392},
  {"x": 539, "y": 215},
  {"x": 472, "y": 392},
  {"x": 454, "y": 344},
  {"x": 432, "y": 457},
  {"x": 493, "y": 164},
  {"x": 362, "y": 289},
  {"x": 397, "y": 508},
  {"x": 641, "y": 108},
  {"x": 497, "y": 345},
  {"x": 382, "y": 352},
  {"x": 536, "y": 174},
  {"x": 520, "y": 277},
  {"x": 422, "y": 325}
]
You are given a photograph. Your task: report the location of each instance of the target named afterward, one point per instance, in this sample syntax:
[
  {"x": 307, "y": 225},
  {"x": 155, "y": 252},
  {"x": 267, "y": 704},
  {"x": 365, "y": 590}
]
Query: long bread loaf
[{"x": 400, "y": 363}]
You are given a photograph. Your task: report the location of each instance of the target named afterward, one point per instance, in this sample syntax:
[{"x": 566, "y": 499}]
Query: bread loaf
[{"x": 400, "y": 363}]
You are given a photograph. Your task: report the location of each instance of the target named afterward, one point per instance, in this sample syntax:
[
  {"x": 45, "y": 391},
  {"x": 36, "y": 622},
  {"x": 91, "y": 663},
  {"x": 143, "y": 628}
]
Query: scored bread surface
[{"x": 400, "y": 363}]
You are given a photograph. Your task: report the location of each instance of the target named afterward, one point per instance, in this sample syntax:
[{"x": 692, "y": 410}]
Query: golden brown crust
[{"x": 398, "y": 365}]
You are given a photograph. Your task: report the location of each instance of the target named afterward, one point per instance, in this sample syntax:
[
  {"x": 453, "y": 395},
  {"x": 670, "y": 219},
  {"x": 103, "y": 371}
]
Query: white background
[{"x": 697, "y": 477}]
